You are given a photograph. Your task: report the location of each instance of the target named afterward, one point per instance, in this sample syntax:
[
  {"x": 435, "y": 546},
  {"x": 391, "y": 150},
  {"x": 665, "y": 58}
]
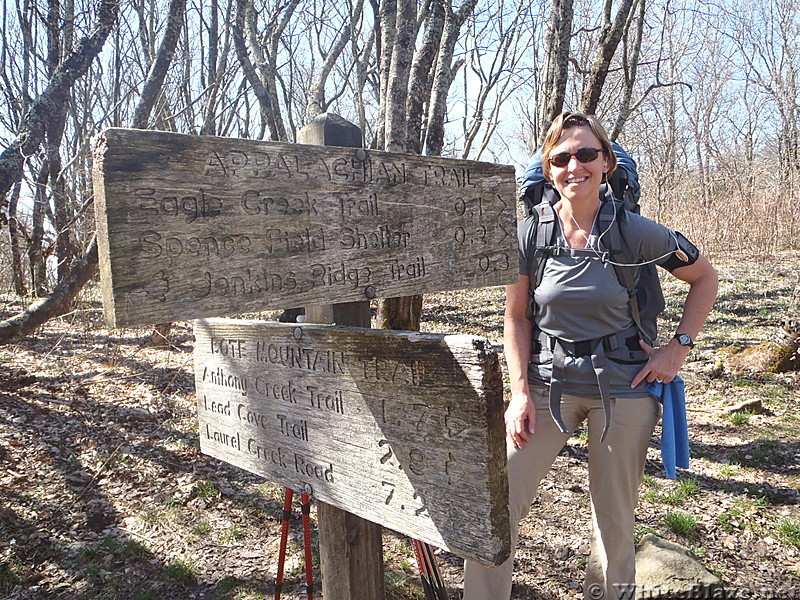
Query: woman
[{"x": 580, "y": 299}]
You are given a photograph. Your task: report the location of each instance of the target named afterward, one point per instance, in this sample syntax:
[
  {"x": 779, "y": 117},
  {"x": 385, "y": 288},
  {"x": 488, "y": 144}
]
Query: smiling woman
[{"x": 576, "y": 351}]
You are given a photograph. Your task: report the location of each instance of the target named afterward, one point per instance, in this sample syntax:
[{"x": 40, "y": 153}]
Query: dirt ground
[{"x": 105, "y": 494}]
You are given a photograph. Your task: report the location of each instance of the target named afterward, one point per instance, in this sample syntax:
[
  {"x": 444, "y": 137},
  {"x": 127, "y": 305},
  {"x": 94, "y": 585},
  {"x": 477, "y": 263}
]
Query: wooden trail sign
[
  {"x": 401, "y": 428},
  {"x": 192, "y": 226}
]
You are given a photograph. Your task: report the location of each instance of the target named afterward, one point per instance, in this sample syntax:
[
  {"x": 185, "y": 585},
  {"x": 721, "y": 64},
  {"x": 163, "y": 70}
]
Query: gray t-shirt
[{"x": 580, "y": 298}]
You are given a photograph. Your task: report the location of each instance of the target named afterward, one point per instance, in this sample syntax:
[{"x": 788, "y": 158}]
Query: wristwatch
[{"x": 684, "y": 340}]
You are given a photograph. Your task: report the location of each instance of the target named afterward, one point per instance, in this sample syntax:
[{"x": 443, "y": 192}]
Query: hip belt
[{"x": 624, "y": 347}]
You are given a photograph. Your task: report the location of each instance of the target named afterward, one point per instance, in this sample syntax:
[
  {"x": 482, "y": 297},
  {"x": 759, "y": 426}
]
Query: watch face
[{"x": 684, "y": 340}]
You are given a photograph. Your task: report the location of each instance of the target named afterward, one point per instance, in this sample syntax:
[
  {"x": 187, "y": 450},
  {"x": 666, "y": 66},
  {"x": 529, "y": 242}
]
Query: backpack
[{"x": 619, "y": 196}]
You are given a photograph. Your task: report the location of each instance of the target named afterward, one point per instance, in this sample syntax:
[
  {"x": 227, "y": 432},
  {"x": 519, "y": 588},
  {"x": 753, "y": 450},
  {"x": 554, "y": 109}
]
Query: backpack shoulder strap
[
  {"x": 613, "y": 220},
  {"x": 545, "y": 224}
]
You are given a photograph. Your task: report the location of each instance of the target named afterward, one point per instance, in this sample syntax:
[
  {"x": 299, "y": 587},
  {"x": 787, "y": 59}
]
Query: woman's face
[{"x": 578, "y": 181}]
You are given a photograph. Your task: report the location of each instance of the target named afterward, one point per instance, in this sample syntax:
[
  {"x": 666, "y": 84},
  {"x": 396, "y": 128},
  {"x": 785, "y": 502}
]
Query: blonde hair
[{"x": 568, "y": 120}]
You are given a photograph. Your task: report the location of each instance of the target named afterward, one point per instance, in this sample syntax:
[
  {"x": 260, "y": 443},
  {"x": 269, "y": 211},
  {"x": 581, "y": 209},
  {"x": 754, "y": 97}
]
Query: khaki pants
[{"x": 616, "y": 467}]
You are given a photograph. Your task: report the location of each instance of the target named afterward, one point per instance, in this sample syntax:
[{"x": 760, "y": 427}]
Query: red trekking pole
[
  {"x": 305, "y": 509},
  {"x": 287, "y": 515}
]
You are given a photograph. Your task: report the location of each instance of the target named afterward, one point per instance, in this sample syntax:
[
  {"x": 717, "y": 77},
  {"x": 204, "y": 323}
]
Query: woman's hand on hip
[
  {"x": 663, "y": 364},
  {"x": 520, "y": 419}
]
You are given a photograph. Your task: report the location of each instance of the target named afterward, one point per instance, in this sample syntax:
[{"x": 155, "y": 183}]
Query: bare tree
[
  {"x": 263, "y": 76},
  {"x": 160, "y": 65},
  {"x": 32, "y": 132},
  {"x": 499, "y": 79},
  {"x": 316, "y": 103},
  {"x": 556, "y": 64},
  {"x": 444, "y": 74},
  {"x": 610, "y": 36},
  {"x": 402, "y": 51},
  {"x": 420, "y": 80}
]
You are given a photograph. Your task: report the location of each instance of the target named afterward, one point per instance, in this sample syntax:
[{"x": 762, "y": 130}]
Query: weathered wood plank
[
  {"x": 192, "y": 226},
  {"x": 404, "y": 429}
]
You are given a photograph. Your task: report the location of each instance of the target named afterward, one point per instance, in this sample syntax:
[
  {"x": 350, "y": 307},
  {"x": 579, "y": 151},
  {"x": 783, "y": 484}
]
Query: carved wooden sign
[
  {"x": 192, "y": 226},
  {"x": 404, "y": 429}
]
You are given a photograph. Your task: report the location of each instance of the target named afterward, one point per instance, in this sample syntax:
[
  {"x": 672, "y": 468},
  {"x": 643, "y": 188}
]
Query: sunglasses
[{"x": 584, "y": 155}]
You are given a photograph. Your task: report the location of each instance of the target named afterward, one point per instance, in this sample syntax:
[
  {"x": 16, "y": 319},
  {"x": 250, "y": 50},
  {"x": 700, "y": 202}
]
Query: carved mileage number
[
  {"x": 416, "y": 465},
  {"x": 476, "y": 233}
]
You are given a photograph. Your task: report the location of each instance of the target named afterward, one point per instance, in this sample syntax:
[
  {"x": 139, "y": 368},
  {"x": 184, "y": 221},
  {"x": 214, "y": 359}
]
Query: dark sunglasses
[{"x": 584, "y": 155}]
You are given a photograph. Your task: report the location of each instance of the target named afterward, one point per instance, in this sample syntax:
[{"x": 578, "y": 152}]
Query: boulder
[
  {"x": 667, "y": 570},
  {"x": 755, "y": 407}
]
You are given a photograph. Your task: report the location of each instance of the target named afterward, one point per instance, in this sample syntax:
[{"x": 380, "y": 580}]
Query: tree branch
[
  {"x": 56, "y": 304},
  {"x": 49, "y": 104}
]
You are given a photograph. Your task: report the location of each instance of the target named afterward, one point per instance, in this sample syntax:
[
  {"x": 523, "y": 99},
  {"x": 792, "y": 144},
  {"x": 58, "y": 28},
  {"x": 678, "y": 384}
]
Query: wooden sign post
[
  {"x": 350, "y": 547},
  {"x": 398, "y": 428}
]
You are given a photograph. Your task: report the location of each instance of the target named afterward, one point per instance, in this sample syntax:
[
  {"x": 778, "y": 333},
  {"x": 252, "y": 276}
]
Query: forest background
[{"x": 703, "y": 94}]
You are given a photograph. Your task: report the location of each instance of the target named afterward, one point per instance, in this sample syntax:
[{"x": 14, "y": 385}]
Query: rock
[
  {"x": 667, "y": 570},
  {"x": 755, "y": 407}
]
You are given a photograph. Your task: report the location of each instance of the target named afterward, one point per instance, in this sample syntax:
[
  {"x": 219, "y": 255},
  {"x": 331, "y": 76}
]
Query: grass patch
[
  {"x": 675, "y": 493},
  {"x": 732, "y": 470},
  {"x": 205, "y": 489},
  {"x": 688, "y": 486},
  {"x": 740, "y": 516},
  {"x": 145, "y": 595},
  {"x": 180, "y": 571},
  {"x": 400, "y": 586},
  {"x": 234, "y": 588},
  {"x": 745, "y": 383},
  {"x": 234, "y": 534},
  {"x": 789, "y": 531},
  {"x": 775, "y": 392},
  {"x": 789, "y": 417},
  {"x": 202, "y": 529},
  {"x": 740, "y": 418},
  {"x": 11, "y": 569},
  {"x": 152, "y": 515},
  {"x": 640, "y": 531},
  {"x": 681, "y": 523}
]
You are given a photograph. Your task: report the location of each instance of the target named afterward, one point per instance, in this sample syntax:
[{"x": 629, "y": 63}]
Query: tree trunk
[
  {"x": 160, "y": 66},
  {"x": 36, "y": 253},
  {"x": 262, "y": 76},
  {"x": 420, "y": 82},
  {"x": 212, "y": 79},
  {"x": 141, "y": 116},
  {"x": 397, "y": 89},
  {"x": 17, "y": 272},
  {"x": 316, "y": 102},
  {"x": 396, "y": 313},
  {"x": 387, "y": 34},
  {"x": 443, "y": 79},
  {"x": 556, "y": 65},
  {"x": 630, "y": 65},
  {"x": 609, "y": 40},
  {"x": 54, "y": 135}
]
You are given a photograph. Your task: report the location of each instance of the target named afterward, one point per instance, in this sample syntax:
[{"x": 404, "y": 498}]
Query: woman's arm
[
  {"x": 520, "y": 415},
  {"x": 665, "y": 361}
]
